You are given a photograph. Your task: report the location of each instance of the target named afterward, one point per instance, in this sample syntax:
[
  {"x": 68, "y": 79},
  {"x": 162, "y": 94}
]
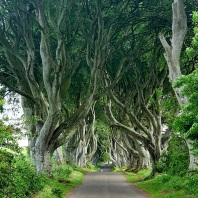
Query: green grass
[
  {"x": 117, "y": 169},
  {"x": 166, "y": 186},
  {"x": 91, "y": 168},
  {"x": 61, "y": 184},
  {"x": 65, "y": 178},
  {"x": 139, "y": 176}
]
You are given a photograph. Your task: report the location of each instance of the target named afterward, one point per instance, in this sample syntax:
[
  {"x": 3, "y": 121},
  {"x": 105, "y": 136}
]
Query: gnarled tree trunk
[{"x": 172, "y": 56}]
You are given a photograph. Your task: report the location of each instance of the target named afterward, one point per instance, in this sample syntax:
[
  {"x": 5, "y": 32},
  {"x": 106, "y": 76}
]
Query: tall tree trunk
[
  {"x": 59, "y": 156},
  {"x": 28, "y": 114},
  {"x": 40, "y": 151},
  {"x": 172, "y": 56},
  {"x": 173, "y": 51},
  {"x": 81, "y": 151},
  {"x": 154, "y": 160}
]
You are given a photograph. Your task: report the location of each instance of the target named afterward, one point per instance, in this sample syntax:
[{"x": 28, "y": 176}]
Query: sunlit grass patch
[
  {"x": 117, "y": 169},
  {"x": 91, "y": 168},
  {"x": 139, "y": 176},
  {"x": 62, "y": 182},
  {"x": 165, "y": 186}
]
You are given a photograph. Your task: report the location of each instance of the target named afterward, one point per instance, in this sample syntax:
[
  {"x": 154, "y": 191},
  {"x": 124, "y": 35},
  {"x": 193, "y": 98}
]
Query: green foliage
[
  {"x": 7, "y": 142},
  {"x": 140, "y": 175},
  {"x": 62, "y": 172},
  {"x": 2, "y": 102},
  {"x": 170, "y": 109},
  {"x": 6, "y": 170},
  {"x": 187, "y": 122},
  {"x": 174, "y": 162},
  {"x": 59, "y": 185},
  {"x": 90, "y": 166},
  {"x": 105, "y": 157},
  {"x": 158, "y": 93},
  {"x": 18, "y": 179},
  {"x": 190, "y": 186},
  {"x": 26, "y": 180},
  {"x": 166, "y": 185},
  {"x": 75, "y": 167},
  {"x": 118, "y": 169},
  {"x": 8, "y": 138},
  {"x": 57, "y": 191},
  {"x": 192, "y": 51},
  {"x": 103, "y": 132}
]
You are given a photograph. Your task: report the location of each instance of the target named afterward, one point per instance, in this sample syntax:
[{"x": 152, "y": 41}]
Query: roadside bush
[
  {"x": 174, "y": 162},
  {"x": 162, "y": 164},
  {"x": 90, "y": 166},
  {"x": 191, "y": 185},
  {"x": 76, "y": 167},
  {"x": 22, "y": 179},
  {"x": 62, "y": 171},
  {"x": 163, "y": 178},
  {"x": 6, "y": 170},
  {"x": 18, "y": 179},
  {"x": 57, "y": 191},
  {"x": 26, "y": 178},
  {"x": 176, "y": 182}
]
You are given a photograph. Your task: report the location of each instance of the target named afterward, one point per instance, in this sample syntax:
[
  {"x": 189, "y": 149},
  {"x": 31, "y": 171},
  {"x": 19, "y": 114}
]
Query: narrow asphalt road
[{"x": 106, "y": 184}]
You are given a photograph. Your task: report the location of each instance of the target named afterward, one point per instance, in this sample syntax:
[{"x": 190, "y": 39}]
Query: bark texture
[
  {"x": 41, "y": 55},
  {"x": 172, "y": 56}
]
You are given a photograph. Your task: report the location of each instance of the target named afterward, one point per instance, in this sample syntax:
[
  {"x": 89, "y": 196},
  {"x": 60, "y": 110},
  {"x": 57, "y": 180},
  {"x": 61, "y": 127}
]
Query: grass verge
[
  {"x": 91, "y": 168},
  {"x": 166, "y": 186},
  {"x": 117, "y": 169},
  {"x": 65, "y": 178}
]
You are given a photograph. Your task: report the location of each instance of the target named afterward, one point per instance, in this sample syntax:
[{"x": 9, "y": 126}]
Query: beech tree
[
  {"x": 187, "y": 122},
  {"x": 86, "y": 140},
  {"x": 139, "y": 101},
  {"x": 45, "y": 47},
  {"x": 43, "y": 44},
  {"x": 172, "y": 56},
  {"x": 124, "y": 150}
]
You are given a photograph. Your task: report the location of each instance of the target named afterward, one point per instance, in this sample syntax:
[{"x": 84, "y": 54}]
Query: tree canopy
[{"x": 81, "y": 64}]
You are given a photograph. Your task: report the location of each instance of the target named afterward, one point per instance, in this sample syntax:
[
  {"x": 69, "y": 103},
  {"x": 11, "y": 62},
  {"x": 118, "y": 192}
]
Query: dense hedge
[
  {"x": 18, "y": 179},
  {"x": 176, "y": 159}
]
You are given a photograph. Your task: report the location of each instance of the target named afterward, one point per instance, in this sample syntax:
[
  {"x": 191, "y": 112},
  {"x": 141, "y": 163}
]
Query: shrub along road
[{"x": 106, "y": 184}]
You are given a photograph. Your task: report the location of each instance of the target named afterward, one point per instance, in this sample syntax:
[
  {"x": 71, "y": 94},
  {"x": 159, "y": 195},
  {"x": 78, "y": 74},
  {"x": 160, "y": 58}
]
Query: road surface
[{"x": 106, "y": 184}]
